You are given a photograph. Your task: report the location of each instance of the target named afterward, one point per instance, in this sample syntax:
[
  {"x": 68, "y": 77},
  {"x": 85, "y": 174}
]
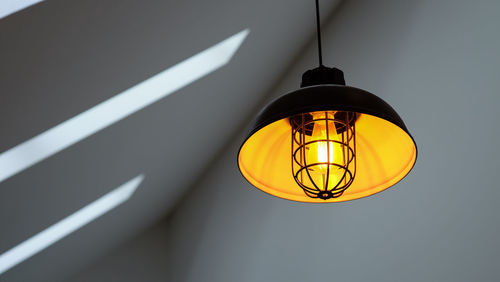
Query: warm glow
[
  {"x": 385, "y": 153},
  {"x": 325, "y": 152}
]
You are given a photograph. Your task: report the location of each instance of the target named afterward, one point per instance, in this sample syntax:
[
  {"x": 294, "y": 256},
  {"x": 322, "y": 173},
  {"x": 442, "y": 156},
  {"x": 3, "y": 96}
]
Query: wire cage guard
[{"x": 324, "y": 152}]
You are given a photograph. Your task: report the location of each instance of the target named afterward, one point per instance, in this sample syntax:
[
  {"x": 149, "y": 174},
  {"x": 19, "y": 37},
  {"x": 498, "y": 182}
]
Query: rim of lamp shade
[{"x": 333, "y": 97}]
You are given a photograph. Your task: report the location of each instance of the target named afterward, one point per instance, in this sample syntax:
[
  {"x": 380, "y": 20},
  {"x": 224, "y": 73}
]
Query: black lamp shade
[{"x": 386, "y": 151}]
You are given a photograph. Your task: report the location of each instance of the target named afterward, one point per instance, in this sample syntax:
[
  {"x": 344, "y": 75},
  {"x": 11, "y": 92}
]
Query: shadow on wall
[
  {"x": 58, "y": 61},
  {"x": 220, "y": 201}
]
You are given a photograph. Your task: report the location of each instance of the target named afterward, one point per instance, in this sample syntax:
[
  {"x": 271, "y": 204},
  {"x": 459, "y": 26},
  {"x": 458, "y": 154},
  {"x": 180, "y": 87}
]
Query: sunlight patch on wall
[
  {"x": 69, "y": 224},
  {"x": 8, "y": 7},
  {"x": 118, "y": 107}
]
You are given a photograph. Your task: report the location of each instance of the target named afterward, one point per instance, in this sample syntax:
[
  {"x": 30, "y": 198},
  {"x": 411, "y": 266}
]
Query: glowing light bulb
[
  {"x": 322, "y": 152},
  {"x": 325, "y": 152}
]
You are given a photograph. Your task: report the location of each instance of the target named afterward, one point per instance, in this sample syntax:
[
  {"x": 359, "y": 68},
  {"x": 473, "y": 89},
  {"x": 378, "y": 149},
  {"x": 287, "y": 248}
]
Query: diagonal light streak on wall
[
  {"x": 118, "y": 107},
  {"x": 8, "y": 7},
  {"x": 69, "y": 224}
]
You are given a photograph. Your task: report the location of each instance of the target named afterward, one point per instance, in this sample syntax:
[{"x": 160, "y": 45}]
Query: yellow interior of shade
[{"x": 384, "y": 155}]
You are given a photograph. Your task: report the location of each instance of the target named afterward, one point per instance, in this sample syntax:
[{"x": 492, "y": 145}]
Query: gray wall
[
  {"x": 59, "y": 58},
  {"x": 437, "y": 64}
]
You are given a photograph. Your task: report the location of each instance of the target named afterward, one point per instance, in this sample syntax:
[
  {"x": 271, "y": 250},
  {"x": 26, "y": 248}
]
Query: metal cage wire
[{"x": 319, "y": 171}]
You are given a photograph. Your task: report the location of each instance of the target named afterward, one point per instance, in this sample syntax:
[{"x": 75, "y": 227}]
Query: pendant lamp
[{"x": 326, "y": 142}]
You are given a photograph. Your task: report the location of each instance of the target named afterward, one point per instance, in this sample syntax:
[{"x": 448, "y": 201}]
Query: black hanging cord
[
  {"x": 319, "y": 34},
  {"x": 321, "y": 75}
]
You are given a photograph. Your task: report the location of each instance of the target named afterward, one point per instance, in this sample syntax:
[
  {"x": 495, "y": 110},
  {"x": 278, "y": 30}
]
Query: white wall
[{"x": 437, "y": 63}]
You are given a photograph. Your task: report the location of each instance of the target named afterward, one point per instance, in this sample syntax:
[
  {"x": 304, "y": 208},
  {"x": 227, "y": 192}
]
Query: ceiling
[{"x": 62, "y": 58}]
